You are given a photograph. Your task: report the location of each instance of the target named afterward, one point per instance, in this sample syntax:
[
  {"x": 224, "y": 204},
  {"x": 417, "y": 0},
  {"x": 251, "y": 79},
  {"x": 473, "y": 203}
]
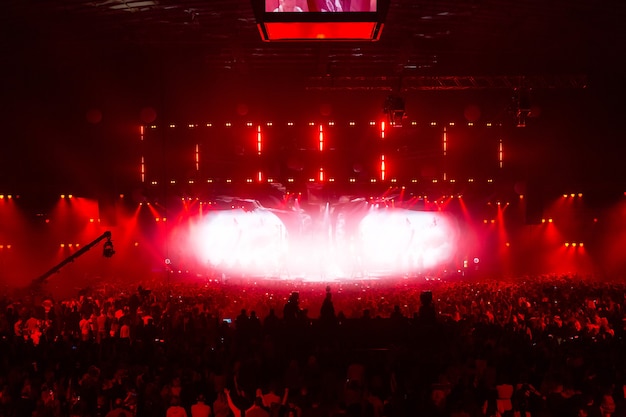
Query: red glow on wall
[
  {"x": 465, "y": 210},
  {"x": 502, "y": 234}
]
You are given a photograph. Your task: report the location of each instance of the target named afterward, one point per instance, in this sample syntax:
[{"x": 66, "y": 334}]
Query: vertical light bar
[
  {"x": 444, "y": 146},
  {"x": 321, "y": 147},
  {"x": 500, "y": 153},
  {"x": 383, "y": 169},
  {"x": 142, "y": 166},
  {"x": 321, "y": 138},
  {"x": 197, "y": 157},
  {"x": 382, "y": 130},
  {"x": 259, "y": 149}
]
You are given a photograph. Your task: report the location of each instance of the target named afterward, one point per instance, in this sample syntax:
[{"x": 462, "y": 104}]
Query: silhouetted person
[
  {"x": 396, "y": 314},
  {"x": 241, "y": 322},
  {"x": 271, "y": 323},
  {"x": 327, "y": 311},
  {"x": 255, "y": 326},
  {"x": 291, "y": 311},
  {"x": 427, "y": 313}
]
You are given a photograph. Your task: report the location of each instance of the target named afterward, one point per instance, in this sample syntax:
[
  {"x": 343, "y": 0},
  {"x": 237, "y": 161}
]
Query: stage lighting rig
[
  {"x": 521, "y": 105},
  {"x": 394, "y": 109}
]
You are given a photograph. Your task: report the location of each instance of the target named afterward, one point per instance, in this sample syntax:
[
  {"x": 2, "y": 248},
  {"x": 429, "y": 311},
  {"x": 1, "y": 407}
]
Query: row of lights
[
  {"x": 440, "y": 200},
  {"x": 61, "y": 245},
  {"x": 566, "y": 244},
  {"x": 62, "y": 196},
  {"x": 91, "y": 220},
  {"x": 550, "y": 220},
  {"x": 70, "y": 245},
  {"x": 419, "y": 197},
  {"x": 291, "y": 180},
  {"x": 313, "y": 179},
  {"x": 330, "y": 123},
  {"x": 352, "y": 180},
  {"x": 136, "y": 244},
  {"x": 209, "y": 202},
  {"x": 71, "y": 196}
]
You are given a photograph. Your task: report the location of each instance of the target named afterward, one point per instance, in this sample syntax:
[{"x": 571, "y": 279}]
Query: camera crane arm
[{"x": 57, "y": 268}]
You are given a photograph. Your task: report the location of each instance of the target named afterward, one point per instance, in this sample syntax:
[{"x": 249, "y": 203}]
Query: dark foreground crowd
[{"x": 541, "y": 346}]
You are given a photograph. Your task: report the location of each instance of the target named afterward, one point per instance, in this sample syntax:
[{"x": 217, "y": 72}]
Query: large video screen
[
  {"x": 333, "y": 6},
  {"x": 285, "y": 20}
]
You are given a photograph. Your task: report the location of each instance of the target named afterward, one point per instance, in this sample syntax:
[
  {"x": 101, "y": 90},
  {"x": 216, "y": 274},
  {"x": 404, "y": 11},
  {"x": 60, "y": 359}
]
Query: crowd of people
[{"x": 531, "y": 346}]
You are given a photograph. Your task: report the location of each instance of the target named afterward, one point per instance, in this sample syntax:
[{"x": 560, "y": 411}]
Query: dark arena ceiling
[
  {"x": 420, "y": 38},
  {"x": 79, "y": 76}
]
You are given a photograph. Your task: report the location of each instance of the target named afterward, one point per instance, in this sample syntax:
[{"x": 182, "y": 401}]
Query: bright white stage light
[{"x": 334, "y": 244}]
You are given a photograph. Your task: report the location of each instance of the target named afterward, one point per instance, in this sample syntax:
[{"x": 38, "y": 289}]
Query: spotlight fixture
[{"x": 107, "y": 249}]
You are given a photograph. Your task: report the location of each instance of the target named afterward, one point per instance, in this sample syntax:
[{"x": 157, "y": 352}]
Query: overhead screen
[
  {"x": 320, "y": 20},
  {"x": 342, "y": 6}
]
